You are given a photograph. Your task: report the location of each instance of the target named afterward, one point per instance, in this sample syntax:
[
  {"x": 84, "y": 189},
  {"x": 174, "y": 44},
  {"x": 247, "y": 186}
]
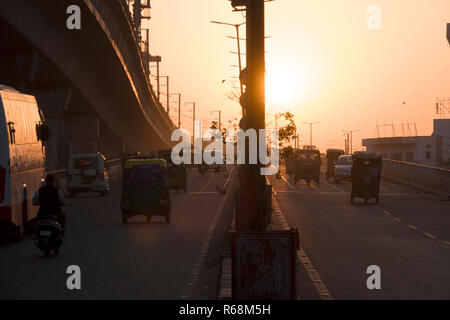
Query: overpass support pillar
[
  {"x": 83, "y": 132},
  {"x": 53, "y": 102},
  {"x": 110, "y": 145}
]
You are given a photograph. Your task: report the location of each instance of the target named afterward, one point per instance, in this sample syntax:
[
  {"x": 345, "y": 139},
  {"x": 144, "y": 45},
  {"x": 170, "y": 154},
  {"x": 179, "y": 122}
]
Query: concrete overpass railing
[{"x": 425, "y": 177}]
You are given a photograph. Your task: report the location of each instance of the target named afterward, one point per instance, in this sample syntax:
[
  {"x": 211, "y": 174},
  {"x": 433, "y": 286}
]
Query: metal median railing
[
  {"x": 432, "y": 171},
  {"x": 427, "y": 177}
]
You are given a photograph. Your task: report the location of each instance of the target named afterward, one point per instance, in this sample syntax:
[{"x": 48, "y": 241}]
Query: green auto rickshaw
[
  {"x": 307, "y": 164},
  {"x": 177, "y": 173},
  {"x": 145, "y": 189},
  {"x": 366, "y": 176}
]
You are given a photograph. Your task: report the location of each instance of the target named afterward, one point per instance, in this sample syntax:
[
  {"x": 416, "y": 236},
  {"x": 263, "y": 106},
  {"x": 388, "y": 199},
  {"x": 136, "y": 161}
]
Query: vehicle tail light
[{"x": 2, "y": 183}]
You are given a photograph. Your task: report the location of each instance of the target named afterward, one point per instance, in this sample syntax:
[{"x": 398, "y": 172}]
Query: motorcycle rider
[{"x": 50, "y": 199}]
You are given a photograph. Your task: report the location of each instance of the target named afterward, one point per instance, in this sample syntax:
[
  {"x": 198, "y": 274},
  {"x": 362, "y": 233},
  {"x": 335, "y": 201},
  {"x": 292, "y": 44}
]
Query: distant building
[{"x": 431, "y": 150}]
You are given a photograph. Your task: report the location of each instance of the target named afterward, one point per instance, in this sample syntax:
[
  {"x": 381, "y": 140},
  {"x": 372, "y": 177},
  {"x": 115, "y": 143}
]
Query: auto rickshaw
[
  {"x": 289, "y": 161},
  {"x": 145, "y": 189},
  {"x": 332, "y": 156},
  {"x": 366, "y": 174},
  {"x": 307, "y": 165},
  {"x": 177, "y": 173}
]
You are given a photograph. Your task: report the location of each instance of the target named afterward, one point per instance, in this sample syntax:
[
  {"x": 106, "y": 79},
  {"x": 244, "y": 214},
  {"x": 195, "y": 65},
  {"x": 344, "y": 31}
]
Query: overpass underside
[{"x": 89, "y": 83}]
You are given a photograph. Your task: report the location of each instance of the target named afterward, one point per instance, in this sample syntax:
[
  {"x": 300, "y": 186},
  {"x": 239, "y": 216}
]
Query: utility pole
[
  {"x": 238, "y": 46},
  {"x": 310, "y": 130},
  {"x": 156, "y": 59},
  {"x": 168, "y": 95},
  {"x": 277, "y": 115},
  {"x": 252, "y": 183},
  {"x": 220, "y": 118},
  {"x": 179, "y": 108},
  {"x": 351, "y": 138},
  {"x": 193, "y": 116}
]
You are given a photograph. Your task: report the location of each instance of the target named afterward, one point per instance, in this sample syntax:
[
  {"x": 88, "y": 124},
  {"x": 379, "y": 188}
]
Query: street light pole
[
  {"x": 167, "y": 92},
  {"x": 193, "y": 116},
  {"x": 179, "y": 108},
  {"x": 351, "y": 139},
  {"x": 238, "y": 46},
  {"x": 310, "y": 130},
  {"x": 220, "y": 118}
]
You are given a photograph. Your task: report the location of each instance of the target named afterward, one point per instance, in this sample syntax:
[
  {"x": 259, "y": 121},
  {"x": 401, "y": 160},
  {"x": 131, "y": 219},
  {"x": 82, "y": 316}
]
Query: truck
[{"x": 23, "y": 133}]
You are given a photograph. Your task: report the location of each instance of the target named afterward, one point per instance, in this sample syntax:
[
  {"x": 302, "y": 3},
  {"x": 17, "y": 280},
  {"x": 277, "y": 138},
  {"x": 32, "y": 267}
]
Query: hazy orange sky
[{"x": 326, "y": 63}]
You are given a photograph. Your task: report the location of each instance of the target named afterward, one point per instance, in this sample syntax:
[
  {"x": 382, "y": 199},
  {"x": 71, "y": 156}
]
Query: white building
[{"x": 431, "y": 150}]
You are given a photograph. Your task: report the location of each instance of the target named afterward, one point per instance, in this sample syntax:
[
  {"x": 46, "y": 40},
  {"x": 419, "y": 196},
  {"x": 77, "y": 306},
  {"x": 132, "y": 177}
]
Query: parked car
[
  {"x": 87, "y": 173},
  {"x": 343, "y": 170}
]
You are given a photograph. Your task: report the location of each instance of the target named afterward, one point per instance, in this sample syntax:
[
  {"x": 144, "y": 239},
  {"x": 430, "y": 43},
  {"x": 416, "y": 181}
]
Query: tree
[{"x": 287, "y": 134}]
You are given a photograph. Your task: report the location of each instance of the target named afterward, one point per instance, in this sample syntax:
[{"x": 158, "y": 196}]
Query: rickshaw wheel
[
  {"x": 149, "y": 218},
  {"x": 376, "y": 199},
  {"x": 124, "y": 220},
  {"x": 365, "y": 200}
]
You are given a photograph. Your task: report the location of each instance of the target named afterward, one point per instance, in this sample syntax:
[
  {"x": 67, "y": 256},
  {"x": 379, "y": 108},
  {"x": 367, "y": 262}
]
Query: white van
[
  {"x": 87, "y": 173},
  {"x": 22, "y": 160}
]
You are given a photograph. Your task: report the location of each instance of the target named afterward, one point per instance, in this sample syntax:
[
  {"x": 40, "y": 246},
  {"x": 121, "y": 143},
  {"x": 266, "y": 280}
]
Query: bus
[{"x": 22, "y": 161}]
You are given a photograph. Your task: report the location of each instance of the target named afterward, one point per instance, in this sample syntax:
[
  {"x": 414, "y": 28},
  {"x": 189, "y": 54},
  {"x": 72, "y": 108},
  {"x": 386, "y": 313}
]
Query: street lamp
[
  {"x": 350, "y": 143},
  {"x": 310, "y": 130},
  {"x": 238, "y": 45}
]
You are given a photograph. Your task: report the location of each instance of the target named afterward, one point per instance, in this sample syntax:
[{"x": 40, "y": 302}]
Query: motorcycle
[{"x": 49, "y": 235}]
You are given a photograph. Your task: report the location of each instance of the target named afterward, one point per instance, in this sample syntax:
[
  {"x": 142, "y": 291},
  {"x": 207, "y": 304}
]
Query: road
[
  {"x": 407, "y": 235},
  {"x": 133, "y": 261}
]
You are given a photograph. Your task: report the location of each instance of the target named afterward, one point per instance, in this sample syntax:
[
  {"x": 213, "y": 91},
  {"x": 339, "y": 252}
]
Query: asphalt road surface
[
  {"x": 133, "y": 261},
  {"x": 407, "y": 235}
]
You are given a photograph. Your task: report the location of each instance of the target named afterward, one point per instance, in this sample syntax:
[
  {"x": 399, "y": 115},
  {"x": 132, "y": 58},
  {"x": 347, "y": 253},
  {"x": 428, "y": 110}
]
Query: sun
[{"x": 281, "y": 86}]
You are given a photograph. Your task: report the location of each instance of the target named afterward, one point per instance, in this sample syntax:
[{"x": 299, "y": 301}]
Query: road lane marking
[
  {"x": 207, "y": 183},
  {"x": 334, "y": 187},
  {"x": 410, "y": 225},
  {"x": 429, "y": 235},
  {"x": 273, "y": 187},
  {"x": 195, "y": 271},
  {"x": 288, "y": 183},
  {"x": 320, "y": 286}
]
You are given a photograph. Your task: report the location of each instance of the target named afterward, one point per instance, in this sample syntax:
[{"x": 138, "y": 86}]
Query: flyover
[{"x": 91, "y": 83}]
